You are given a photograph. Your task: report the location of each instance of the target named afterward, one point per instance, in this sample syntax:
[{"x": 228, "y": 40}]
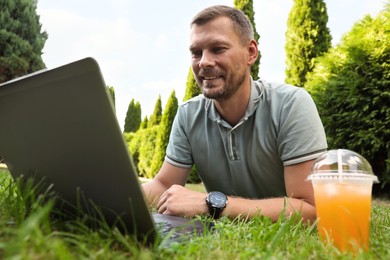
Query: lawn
[{"x": 29, "y": 233}]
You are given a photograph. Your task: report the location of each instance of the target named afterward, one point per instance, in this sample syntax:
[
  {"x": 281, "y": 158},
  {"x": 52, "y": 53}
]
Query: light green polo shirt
[{"x": 281, "y": 127}]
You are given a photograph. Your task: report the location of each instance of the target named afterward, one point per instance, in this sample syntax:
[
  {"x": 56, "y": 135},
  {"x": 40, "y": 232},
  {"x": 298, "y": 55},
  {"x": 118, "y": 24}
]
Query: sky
[{"x": 142, "y": 45}]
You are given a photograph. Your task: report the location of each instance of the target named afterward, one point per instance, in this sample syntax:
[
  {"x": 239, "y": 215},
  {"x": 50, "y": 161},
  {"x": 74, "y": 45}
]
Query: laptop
[{"x": 59, "y": 127}]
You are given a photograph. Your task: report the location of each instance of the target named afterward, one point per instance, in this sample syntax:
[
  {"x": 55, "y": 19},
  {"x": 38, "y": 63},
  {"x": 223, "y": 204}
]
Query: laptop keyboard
[
  {"x": 177, "y": 229},
  {"x": 167, "y": 229}
]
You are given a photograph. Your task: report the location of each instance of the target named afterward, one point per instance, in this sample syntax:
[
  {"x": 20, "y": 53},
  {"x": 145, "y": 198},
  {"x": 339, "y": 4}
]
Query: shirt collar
[{"x": 256, "y": 93}]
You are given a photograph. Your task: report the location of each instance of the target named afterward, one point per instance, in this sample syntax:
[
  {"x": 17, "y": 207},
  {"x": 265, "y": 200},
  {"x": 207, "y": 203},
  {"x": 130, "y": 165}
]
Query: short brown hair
[{"x": 240, "y": 22}]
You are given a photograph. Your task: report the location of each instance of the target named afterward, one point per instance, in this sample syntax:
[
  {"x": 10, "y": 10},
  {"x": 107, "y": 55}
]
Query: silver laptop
[{"x": 59, "y": 125}]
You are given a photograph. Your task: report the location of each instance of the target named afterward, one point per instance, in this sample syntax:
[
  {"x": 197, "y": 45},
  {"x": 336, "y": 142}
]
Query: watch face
[{"x": 217, "y": 199}]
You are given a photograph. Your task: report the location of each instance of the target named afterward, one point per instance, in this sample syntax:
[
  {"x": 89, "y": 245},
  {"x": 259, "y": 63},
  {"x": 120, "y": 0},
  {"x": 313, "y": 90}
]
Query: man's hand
[{"x": 180, "y": 201}]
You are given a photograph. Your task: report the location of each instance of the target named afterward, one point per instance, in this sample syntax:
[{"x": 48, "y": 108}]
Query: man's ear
[{"x": 253, "y": 52}]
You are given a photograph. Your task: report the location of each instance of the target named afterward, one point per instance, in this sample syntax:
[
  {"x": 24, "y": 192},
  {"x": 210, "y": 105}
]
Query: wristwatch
[{"x": 216, "y": 201}]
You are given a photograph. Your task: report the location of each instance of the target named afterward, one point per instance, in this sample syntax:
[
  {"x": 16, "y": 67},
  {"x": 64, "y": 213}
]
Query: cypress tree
[
  {"x": 144, "y": 123},
  {"x": 111, "y": 91},
  {"x": 155, "y": 118},
  {"x": 307, "y": 37},
  {"x": 164, "y": 132},
  {"x": 246, "y": 6},
  {"x": 137, "y": 115},
  {"x": 192, "y": 88},
  {"x": 21, "y": 39},
  {"x": 133, "y": 117}
]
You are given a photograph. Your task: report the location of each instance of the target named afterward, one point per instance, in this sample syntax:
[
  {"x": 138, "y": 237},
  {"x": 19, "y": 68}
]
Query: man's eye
[
  {"x": 218, "y": 50},
  {"x": 196, "y": 54}
]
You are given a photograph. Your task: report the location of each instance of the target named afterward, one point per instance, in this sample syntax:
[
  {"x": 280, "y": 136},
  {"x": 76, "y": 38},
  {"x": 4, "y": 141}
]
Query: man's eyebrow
[
  {"x": 192, "y": 48},
  {"x": 213, "y": 43}
]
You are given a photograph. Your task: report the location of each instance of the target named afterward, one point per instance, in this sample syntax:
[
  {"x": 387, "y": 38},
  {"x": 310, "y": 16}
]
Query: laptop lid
[{"x": 60, "y": 125}]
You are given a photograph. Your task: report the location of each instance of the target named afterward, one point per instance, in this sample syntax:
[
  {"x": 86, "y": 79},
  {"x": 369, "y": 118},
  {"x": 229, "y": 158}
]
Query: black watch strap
[{"x": 215, "y": 212}]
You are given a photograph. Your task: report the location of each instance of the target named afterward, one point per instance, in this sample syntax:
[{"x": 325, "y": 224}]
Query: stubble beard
[{"x": 231, "y": 85}]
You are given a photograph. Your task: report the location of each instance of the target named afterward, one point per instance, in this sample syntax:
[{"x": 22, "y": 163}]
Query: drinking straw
[{"x": 340, "y": 163}]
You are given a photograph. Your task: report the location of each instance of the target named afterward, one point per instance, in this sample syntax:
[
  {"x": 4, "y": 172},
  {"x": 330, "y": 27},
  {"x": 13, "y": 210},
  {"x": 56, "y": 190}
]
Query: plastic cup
[{"x": 342, "y": 182}]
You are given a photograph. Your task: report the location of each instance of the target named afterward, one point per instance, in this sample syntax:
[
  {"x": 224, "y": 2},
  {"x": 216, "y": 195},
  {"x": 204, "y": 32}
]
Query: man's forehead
[
  {"x": 224, "y": 20},
  {"x": 212, "y": 33}
]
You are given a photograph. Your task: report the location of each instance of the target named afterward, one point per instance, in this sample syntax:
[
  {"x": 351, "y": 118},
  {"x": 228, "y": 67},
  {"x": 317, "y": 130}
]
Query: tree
[
  {"x": 351, "y": 87},
  {"x": 133, "y": 117},
  {"x": 164, "y": 132},
  {"x": 192, "y": 88},
  {"x": 142, "y": 148},
  {"x": 307, "y": 37},
  {"x": 21, "y": 39},
  {"x": 155, "y": 118},
  {"x": 246, "y": 6},
  {"x": 111, "y": 91},
  {"x": 144, "y": 123}
]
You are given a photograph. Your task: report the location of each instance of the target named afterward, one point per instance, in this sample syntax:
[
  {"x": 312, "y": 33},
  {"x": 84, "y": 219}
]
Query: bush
[
  {"x": 194, "y": 176},
  {"x": 164, "y": 130},
  {"x": 142, "y": 148},
  {"x": 351, "y": 87}
]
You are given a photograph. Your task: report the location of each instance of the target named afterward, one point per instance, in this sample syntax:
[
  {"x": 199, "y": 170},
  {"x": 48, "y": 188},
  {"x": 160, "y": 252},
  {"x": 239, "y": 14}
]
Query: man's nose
[{"x": 207, "y": 60}]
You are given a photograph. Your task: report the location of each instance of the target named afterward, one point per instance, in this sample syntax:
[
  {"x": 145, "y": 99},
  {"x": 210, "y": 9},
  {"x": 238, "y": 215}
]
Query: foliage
[
  {"x": 192, "y": 88},
  {"x": 133, "y": 117},
  {"x": 21, "y": 39},
  {"x": 164, "y": 132},
  {"x": 142, "y": 145},
  {"x": 247, "y": 7},
  {"x": 111, "y": 91},
  {"x": 155, "y": 118},
  {"x": 147, "y": 146},
  {"x": 194, "y": 176},
  {"x": 307, "y": 37},
  {"x": 351, "y": 87},
  {"x": 144, "y": 123},
  {"x": 37, "y": 235}
]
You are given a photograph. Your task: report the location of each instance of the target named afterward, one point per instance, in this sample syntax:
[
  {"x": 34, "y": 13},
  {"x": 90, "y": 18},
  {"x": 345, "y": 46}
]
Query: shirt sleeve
[
  {"x": 178, "y": 152},
  {"x": 301, "y": 136}
]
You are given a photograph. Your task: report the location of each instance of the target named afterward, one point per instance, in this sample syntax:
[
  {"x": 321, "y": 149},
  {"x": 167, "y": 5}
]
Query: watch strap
[{"x": 215, "y": 212}]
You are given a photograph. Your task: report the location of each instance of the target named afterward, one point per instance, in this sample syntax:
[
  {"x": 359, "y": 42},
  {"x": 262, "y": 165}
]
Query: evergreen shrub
[{"x": 351, "y": 87}]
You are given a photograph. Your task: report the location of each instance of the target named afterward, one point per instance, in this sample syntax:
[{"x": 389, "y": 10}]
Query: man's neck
[{"x": 233, "y": 109}]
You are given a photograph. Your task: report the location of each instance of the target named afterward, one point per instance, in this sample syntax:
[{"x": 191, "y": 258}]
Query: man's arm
[
  {"x": 300, "y": 197},
  {"x": 167, "y": 176},
  {"x": 178, "y": 200}
]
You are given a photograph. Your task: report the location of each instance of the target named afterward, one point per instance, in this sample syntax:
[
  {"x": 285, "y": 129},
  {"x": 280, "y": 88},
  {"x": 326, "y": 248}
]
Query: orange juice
[{"x": 343, "y": 212}]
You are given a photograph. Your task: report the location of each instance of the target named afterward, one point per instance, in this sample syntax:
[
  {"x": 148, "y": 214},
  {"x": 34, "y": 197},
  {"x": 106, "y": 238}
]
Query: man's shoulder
[
  {"x": 195, "y": 103},
  {"x": 278, "y": 87},
  {"x": 281, "y": 91},
  {"x": 196, "y": 99}
]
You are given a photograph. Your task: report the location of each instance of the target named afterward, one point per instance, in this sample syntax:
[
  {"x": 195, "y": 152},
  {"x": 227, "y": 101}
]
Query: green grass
[{"x": 28, "y": 232}]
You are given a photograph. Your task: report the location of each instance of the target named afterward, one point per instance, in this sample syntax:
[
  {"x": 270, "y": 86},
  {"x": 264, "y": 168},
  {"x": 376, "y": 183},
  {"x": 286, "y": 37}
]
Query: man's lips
[{"x": 211, "y": 78}]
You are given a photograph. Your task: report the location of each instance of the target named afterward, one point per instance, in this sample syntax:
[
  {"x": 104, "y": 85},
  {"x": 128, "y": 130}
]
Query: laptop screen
[{"x": 60, "y": 125}]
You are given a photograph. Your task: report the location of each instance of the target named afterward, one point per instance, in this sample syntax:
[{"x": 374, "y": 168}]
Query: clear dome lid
[{"x": 342, "y": 164}]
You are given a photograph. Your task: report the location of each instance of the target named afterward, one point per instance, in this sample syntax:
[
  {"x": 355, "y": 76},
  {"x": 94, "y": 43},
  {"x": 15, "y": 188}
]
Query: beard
[{"x": 221, "y": 88}]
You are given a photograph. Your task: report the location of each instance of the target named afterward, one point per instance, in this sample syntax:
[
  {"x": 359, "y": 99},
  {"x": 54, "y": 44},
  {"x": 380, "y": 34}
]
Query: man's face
[{"x": 219, "y": 59}]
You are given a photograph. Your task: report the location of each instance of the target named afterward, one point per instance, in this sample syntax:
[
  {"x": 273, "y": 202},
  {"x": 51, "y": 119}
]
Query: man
[{"x": 254, "y": 142}]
